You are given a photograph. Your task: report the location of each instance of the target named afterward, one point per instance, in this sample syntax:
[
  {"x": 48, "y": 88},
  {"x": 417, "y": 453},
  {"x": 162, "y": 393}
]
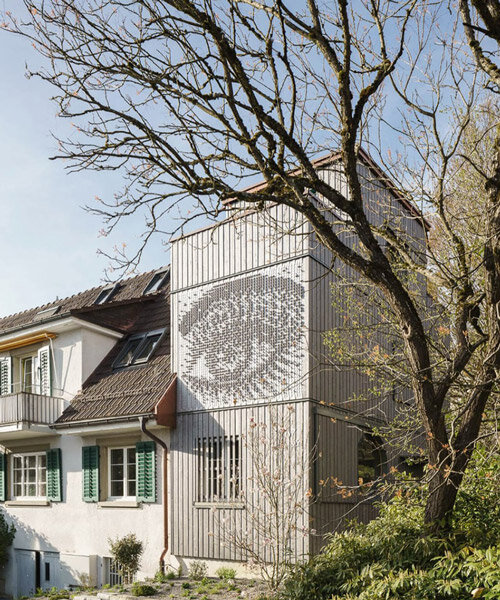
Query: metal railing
[{"x": 30, "y": 408}]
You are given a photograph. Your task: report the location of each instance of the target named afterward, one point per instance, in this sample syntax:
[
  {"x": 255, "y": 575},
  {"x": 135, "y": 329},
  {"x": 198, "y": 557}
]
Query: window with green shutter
[
  {"x": 54, "y": 475},
  {"x": 3, "y": 477},
  {"x": 90, "y": 471},
  {"x": 146, "y": 471}
]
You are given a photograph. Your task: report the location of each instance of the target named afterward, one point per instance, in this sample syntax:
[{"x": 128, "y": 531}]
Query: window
[
  {"x": 371, "y": 458},
  {"x": 27, "y": 375},
  {"x": 413, "y": 467},
  {"x": 219, "y": 469},
  {"x": 29, "y": 475},
  {"x": 138, "y": 349},
  {"x": 46, "y": 313},
  {"x": 106, "y": 294},
  {"x": 122, "y": 473},
  {"x": 130, "y": 472},
  {"x": 157, "y": 282},
  {"x": 32, "y": 373}
]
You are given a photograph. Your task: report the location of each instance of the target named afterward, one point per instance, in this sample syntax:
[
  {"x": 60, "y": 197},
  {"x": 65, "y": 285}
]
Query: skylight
[
  {"x": 105, "y": 294},
  {"x": 46, "y": 312},
  {"x": 156, "y": 282},
  {"x": 138, "y": 349}
]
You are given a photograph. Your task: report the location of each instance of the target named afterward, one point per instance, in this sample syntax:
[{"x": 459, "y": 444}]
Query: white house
[{"x": 127, "y": 408}]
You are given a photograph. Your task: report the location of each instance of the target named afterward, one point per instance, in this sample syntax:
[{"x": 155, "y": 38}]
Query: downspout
[{"x": 142, "y": 423}]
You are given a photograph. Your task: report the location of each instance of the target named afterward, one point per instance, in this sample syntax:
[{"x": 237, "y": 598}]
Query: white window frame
[
  {"x": 125, "y": 473},
  {"x": 34, "y": 370},
  {"x": 24, "y": 483},
  {"x": 105, "y": 294},
  {"x": 153, "y": 288}
]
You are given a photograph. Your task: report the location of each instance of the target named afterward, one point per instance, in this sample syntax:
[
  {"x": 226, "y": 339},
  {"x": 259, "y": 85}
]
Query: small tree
[
  {"x": 7, "y": 533},
  {"x": 127, "y": 551},
  {"x": 277, "y": 508}
]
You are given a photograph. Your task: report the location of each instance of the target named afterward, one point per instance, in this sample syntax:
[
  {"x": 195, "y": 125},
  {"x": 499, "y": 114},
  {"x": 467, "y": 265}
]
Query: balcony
[{"x": 25, "y": 414}]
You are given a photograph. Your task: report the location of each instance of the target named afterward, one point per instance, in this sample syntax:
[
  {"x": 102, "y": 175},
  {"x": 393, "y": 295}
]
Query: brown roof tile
[
  {"x": 128, "y": 289},
  {"x": 108, "y": 393},
  {"x": 113, "y": 393}
]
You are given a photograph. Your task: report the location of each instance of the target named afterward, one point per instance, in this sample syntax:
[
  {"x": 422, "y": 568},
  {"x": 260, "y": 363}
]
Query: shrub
[
  {"x": 197, "y": 570},
  {"x": 225, "y": 573},
  {"x": 393, "y": 557},
  {"x": 7, "y": 533},
  {"x": 143, "y": 589},
  {"x": 161, "y": 577},
  {"x": 127, "y": 552}
]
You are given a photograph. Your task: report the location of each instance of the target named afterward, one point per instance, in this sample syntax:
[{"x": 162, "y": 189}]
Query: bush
[
  {"x": 225, "y": 573},
  {"x": 197, "y": 570},
  {"x": 143, "y": 589},
  {"x": 127, "y": 552},
  {"x": 161, "y": 577},
  {"x": 7, "y": 533},
  {"x": 392, "y": 557}
]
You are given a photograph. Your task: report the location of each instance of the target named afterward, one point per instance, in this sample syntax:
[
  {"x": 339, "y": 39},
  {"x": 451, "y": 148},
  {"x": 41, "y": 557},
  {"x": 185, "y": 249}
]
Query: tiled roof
[
  {"x": 128, "y": 289},
  {"x": 116, "y": 393}
]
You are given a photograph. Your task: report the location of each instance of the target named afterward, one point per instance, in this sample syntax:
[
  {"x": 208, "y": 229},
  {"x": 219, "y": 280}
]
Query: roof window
[
  {"x": 45, "y": 313},
  {"x": 156, "y": 282},
  {"x": 106, "y": 294},
  {"x": 138, "y": 349}
]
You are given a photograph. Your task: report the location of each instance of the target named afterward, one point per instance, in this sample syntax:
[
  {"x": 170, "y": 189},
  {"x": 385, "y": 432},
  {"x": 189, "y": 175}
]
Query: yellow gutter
[{"x": 26, "y": 340}]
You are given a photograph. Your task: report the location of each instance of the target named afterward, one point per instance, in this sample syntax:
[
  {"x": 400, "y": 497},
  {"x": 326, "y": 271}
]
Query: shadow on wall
[{"x": 34, "y": 562}]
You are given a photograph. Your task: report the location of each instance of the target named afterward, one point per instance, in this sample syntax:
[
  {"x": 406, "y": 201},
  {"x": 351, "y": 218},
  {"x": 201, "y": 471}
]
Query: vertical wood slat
[{"x": 193, "y": 539}]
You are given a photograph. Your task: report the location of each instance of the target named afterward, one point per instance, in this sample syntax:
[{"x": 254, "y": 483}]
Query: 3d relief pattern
[{"x": 242, "y": 340}]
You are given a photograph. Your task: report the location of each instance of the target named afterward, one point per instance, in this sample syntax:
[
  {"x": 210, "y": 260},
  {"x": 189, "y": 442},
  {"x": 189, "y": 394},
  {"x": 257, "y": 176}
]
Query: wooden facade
[{"x": 251, "y": 302}]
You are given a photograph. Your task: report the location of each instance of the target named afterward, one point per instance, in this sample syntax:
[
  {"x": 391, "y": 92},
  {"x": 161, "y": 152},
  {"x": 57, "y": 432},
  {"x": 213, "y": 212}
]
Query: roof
[
  {"x": 381, "y": 175},
  {"x": 82, "y": 304},
  {"x": 116, "y": 393}
]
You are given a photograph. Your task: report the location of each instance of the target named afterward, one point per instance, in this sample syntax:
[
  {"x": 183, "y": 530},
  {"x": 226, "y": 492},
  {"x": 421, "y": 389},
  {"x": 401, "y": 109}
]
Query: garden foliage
[
  {"x": 393, "y": 557},
  {"x": 7, "y": 533}
]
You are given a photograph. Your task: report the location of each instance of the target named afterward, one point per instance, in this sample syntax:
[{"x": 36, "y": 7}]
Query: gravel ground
[{"x": 175, "y": 589}]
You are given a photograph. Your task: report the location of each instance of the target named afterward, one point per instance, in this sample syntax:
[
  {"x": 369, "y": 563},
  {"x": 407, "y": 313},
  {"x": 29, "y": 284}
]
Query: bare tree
[
  {"x": 278, "y": 502},
  {"x": 193, "y": 98}
]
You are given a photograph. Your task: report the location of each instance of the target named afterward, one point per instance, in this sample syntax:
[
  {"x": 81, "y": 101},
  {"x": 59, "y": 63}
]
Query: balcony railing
[{"x": 30, "y": 408}]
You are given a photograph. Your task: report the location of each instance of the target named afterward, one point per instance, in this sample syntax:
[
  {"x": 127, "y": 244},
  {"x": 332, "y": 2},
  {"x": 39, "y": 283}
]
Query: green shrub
[
  {"x": 127, "y": 552},
  {"x": 393, "y": 557},
  {"x": 7, "y": 533},
  {"x": 225, "y": 573},
  {"x": 161, "y": 577},
  {"x": 143, "y": 589},
  {"x": 185, "y": 585},
  {"x": 197, "y": 570}
]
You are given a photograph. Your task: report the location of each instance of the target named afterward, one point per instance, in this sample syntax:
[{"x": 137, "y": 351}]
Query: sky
[{"x": 48, "y": 242}]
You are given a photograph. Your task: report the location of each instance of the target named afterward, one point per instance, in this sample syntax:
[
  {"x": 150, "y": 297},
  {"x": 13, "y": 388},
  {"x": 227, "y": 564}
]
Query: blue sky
[{"x": 48, "y": 243}]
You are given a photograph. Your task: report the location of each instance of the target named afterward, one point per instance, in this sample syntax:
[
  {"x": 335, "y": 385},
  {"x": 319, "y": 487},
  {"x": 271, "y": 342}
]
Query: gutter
[{"x": 142, "y": 423}]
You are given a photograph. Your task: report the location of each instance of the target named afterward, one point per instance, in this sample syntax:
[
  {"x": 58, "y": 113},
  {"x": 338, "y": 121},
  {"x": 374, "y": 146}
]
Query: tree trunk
[{"x": 440, "y": 502}]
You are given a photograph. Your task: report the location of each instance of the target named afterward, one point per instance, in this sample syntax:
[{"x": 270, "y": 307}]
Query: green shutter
[
  {"x": 90, "y": 468},
  {"x": 3, "y": 477},
  {"x": 146, "y": 471},
  {"x": 54, "y": 475}
]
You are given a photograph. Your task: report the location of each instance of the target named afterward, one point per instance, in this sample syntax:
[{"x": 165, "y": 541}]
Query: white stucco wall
[
  {"x": 76, "y": 353},
  {"x": 79, "y": 531}
]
